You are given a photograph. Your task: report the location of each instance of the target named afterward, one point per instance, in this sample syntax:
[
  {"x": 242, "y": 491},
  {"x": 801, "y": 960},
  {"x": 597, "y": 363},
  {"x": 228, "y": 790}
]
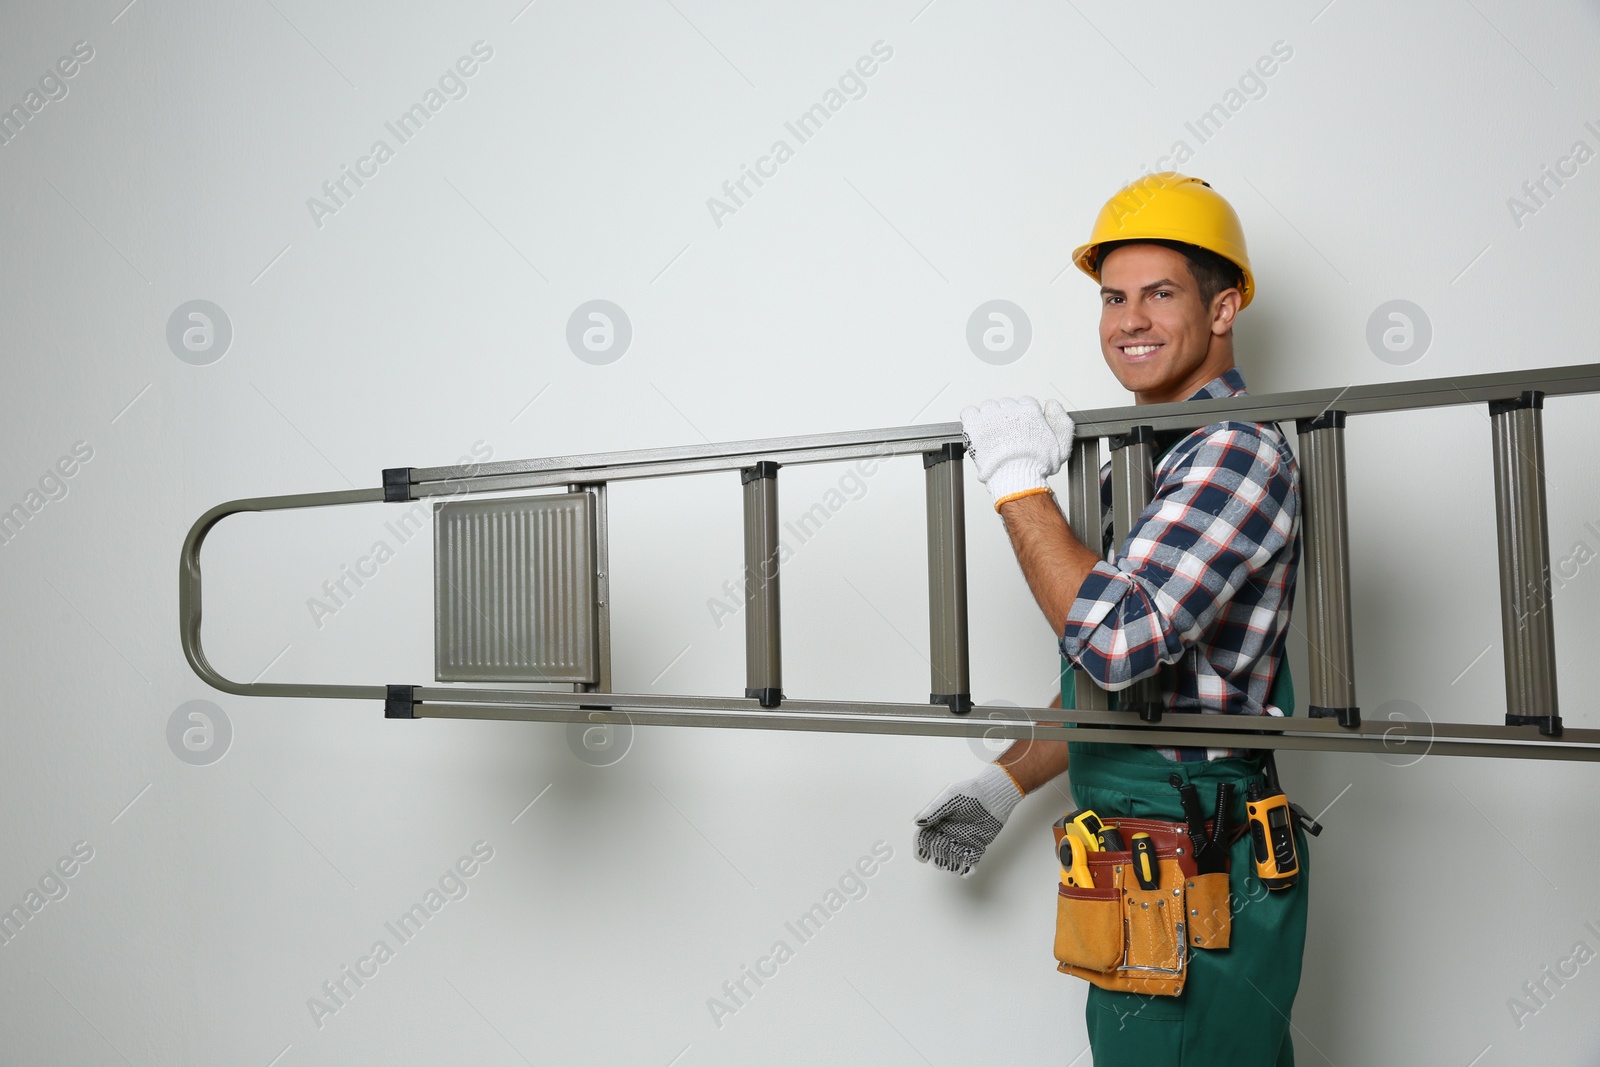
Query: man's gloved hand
[
  {"x": 1016, "y": 445},
  {"x": 964, "y": 819}
]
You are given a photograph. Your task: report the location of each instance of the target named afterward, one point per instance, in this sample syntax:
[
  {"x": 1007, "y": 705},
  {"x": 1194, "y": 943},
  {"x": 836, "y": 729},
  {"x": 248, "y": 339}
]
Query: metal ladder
[{"x": 521, "y": 583}]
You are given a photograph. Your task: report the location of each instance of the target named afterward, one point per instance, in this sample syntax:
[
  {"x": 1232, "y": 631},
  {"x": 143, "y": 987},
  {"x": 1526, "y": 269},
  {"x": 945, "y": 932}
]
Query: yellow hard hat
[{"x": 1172, "y": 207}]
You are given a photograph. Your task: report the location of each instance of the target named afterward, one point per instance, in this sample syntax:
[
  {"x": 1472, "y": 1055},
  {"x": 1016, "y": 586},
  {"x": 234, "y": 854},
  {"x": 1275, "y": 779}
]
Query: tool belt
[{"x": 1122, "y": 936}]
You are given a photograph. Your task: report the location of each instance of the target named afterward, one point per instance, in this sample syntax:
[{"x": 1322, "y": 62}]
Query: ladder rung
[
  {"x": 1527, "y": 625},
  {"x": 1132, "y": 488},
  {"x": 950, "y": 682},
  {"x": 763, "y": 646},
  {"x": 1325, "y": 569},
  {"x": 1083, "y": 515}
]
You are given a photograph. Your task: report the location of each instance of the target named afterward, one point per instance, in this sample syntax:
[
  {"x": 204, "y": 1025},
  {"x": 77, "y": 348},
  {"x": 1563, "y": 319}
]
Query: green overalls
[{"x": 1235, "y": 1005}]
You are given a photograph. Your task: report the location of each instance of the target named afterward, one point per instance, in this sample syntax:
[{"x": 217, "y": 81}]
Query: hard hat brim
[{"x": 1087, "y": 259}]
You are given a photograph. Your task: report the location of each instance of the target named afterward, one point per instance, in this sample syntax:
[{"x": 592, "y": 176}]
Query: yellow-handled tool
[
  {"x": 1090, "y": 823},
  {"x": 1145, "y": 866},
  {"x": 1086, "y": 826},
  {"x": 1075, "y": 862}
]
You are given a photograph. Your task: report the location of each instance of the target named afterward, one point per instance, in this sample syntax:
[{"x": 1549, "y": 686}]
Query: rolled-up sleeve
[{"x": 1219, "y": 516}]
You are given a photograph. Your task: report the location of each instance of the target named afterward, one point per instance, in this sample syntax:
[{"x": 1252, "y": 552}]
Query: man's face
[{"x": 1155, "y": 332}]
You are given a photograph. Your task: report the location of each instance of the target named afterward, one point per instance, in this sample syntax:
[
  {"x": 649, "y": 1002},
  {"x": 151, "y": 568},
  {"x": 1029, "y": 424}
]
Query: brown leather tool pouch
[
  {"x": 1123, "y": 937},
  {"x": 1209, "y": 909}
]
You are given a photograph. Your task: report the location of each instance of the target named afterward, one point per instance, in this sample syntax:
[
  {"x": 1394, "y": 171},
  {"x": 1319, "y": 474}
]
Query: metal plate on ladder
[{"x": 514, "y": 590}]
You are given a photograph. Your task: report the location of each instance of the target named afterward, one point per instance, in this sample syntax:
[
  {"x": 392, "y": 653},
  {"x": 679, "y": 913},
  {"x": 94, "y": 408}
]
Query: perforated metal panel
[{"x": 514, "y": 590}]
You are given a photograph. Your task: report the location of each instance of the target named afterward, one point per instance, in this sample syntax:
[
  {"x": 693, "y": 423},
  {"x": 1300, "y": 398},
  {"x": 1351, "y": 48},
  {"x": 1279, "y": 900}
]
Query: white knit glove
[
  {"x": 964, "y": 819},
  {"x": 1015, "y": 445}
]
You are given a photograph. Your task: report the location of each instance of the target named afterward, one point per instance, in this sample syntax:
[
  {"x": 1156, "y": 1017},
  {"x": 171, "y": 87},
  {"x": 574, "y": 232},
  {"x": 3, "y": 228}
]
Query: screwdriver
[{"x": 1145, "y": 867}]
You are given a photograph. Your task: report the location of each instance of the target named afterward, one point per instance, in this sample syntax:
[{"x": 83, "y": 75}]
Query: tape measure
[{"x": 1075, "y": 862}]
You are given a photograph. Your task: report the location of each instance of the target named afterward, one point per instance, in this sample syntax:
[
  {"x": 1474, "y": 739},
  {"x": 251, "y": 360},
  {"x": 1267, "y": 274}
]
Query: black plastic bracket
[
  {"x": 1307, "y": 823},
  {"x": 1136, "y": 435},
  {"x": 1332, "y": 419},
  {"x": 943, "y": 454},
  {"x": 396, "y": 484},
  {"x": 1349, "y": 718},
  {"x": 764, "y": 468},
  {"x": 958, "y": 703},
  {"x": 400, "y": 702},
  {"x": 1549, "y": 725},
  {"x": 1528, "y": 398},
  {"x": 769, "y": 698},
  {"x": 1149, "y": 711}
]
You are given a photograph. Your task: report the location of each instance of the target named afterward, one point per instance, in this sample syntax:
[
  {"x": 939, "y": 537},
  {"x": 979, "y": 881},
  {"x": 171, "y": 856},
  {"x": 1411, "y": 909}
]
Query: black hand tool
[
  {"x": 1193, "y": 814},
  {"x": 1214, "y": 857}
]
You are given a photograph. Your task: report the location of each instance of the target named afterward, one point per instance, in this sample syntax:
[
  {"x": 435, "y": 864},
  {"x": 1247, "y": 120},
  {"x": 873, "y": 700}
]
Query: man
[{"x": 1199, "y": 596}]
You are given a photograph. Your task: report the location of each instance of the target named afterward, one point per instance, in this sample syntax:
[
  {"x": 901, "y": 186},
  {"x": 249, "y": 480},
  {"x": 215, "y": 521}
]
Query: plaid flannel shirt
[{"x": 1205, "y": 581}]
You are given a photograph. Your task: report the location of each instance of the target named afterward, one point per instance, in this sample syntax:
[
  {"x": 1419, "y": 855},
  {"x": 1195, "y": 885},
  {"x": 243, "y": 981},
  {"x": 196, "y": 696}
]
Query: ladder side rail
[
  {"x": 1098, "y": 422},
  {"x": 190, "y": 602},
  {"x": 1421, "y": 733},
  {"x": 1354, "y": 399},
  {"x": 1179, "y": 729}
]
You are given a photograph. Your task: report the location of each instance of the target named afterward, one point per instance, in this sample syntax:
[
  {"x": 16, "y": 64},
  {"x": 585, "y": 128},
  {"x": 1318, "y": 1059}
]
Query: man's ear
[{"x": 1224, "y": 306}]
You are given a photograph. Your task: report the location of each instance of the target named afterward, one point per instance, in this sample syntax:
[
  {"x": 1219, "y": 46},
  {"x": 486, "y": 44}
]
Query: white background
[{"x": 429, "y": 314}]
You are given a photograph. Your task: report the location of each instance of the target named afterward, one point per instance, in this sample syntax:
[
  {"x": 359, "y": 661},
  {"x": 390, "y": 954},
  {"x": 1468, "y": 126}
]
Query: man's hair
[{"x": 1212, "y": 273}]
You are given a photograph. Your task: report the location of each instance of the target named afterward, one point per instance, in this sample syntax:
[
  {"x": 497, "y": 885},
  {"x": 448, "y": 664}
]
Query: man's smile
[{"x": 1139, "y": 352}]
